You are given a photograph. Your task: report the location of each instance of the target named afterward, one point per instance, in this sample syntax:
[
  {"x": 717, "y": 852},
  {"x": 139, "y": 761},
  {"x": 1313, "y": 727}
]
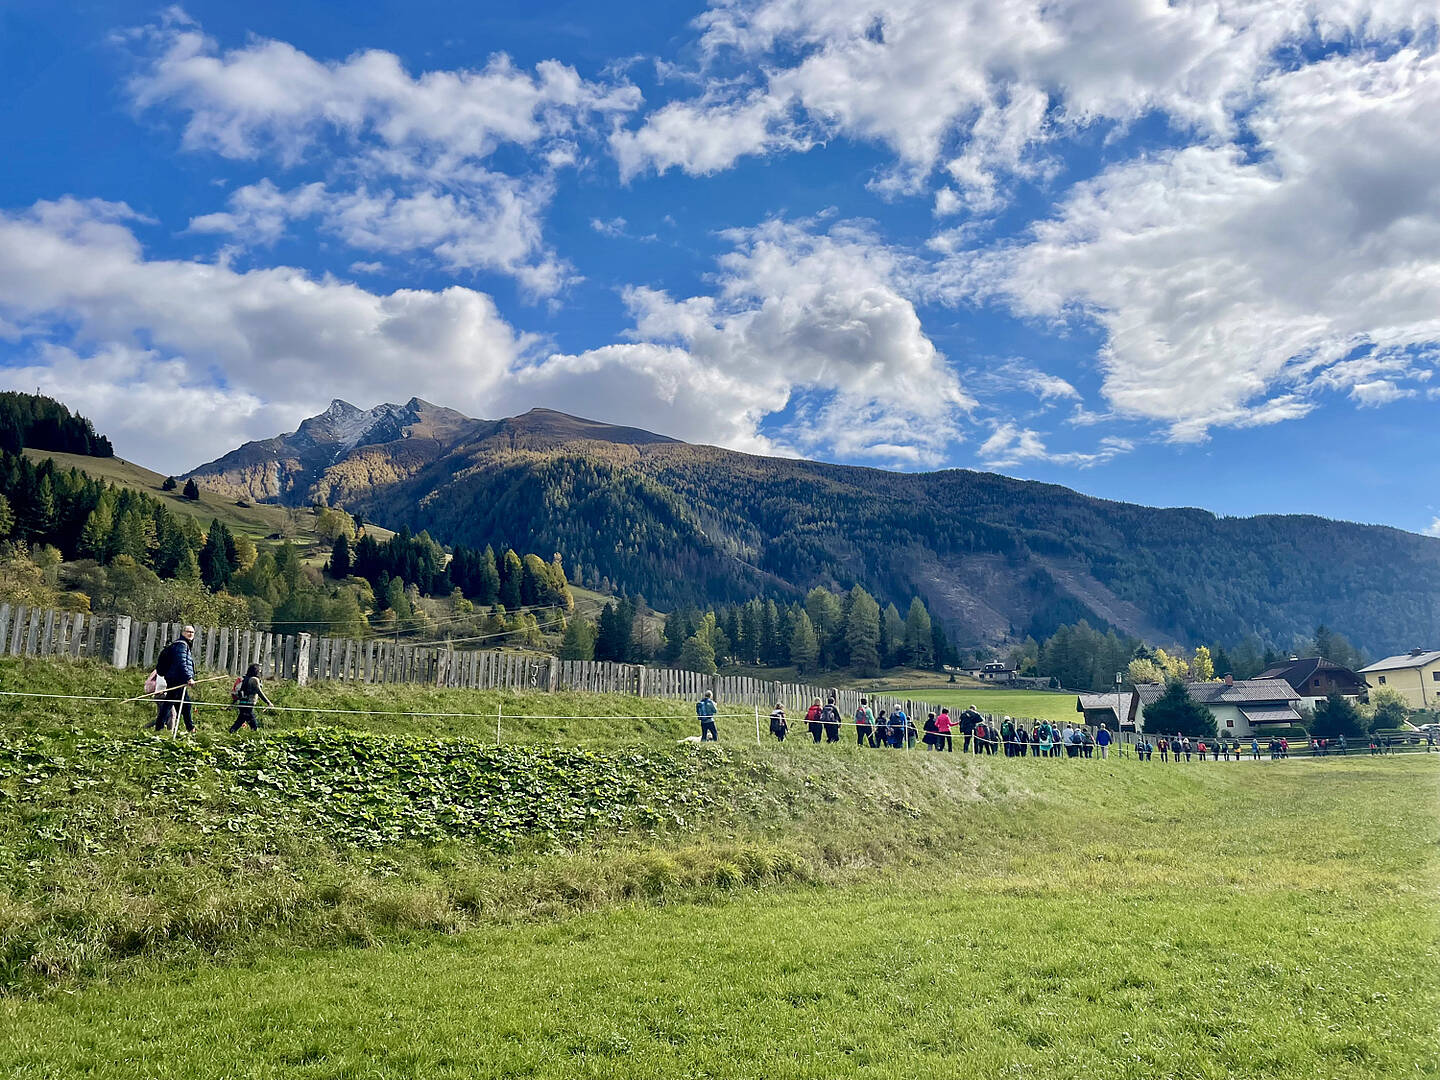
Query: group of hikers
[
  {"x": 895, "y": 729},
  {"x": 172, "y": 686}
]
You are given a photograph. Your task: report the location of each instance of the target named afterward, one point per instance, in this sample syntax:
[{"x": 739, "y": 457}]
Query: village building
[
  {"x": 1115, "y": 711},
  {"x": 1414, "y": 675},
  {"x": 998, "y": 671},
  {"x": 1242, "y": 707},
  {"x": 1315, "y": 679}
]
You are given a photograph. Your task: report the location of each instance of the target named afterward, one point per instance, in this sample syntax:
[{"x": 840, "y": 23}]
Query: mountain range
[{"x": 994, "y": 557}]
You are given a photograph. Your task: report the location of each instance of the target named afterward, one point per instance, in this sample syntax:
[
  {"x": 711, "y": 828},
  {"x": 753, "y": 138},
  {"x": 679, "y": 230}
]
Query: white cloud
[
  {"x": 418, "y": 145},
  {"x": 1235, "y": 284},
  {"x": 182, "y": 359},
  {"x": 705, "y": 137},
  {"x": 981, "y": 86},
  {"x": 808, "y": 322},
  {"x": 1010, "y": 445},
  {"x": 140, "y": 337},
  {"x": 269, "y": 97},
  {"x": 1433, "y": 529}
]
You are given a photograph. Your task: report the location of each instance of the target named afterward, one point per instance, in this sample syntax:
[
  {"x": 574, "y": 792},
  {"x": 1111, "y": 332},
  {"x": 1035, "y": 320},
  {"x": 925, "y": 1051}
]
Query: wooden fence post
[
  {"x": 302, "y": 666},
  {"x": 120, "y": 656}
]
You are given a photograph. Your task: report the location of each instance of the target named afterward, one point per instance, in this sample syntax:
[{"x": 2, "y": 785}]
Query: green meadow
[{"x": 400, "y": 897}]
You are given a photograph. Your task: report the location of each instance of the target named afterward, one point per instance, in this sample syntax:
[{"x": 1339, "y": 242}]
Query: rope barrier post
[{"x": 757, "y": 725}]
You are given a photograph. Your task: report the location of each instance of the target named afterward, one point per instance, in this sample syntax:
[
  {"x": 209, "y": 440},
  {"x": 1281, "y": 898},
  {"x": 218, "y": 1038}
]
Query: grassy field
[
  {"x": 255, "y": 520},
  {"x": 404, "y": 901},
  {"x": 1030, "y": 704}
]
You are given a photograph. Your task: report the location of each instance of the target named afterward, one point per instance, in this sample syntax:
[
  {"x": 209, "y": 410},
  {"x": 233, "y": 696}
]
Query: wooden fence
[{"x": 127, "y": 643}]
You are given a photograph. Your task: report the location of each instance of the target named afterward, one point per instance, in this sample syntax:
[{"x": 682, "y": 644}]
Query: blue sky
[{"x": 1169, "y": 253}]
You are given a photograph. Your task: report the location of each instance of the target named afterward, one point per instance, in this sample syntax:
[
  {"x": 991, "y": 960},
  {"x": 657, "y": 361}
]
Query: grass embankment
[
  {"x": 777, "y": 911},
  {"x": 257, "y": 520}
]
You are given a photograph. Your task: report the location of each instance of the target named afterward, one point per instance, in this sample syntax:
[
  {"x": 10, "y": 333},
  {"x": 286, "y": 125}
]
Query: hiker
[
  {"x": 177, "y": 667},
  {"x": 864, "y": 724},
  {"x": 1254, "y": 748},
  {"x": 831, "y": 717},
  {"x": 968, "y": 719},
  {"x": 1007, "y": 736},
  {"x": 899, "y": 721},
  {"x": 812, "y": 720},
  {"x": 879, "y": 734},
  {"x": 243, "y": 695},
  {"x": 155, "y": 687},
  {"x": 778, "y": 727},
  {"x": 1164, "y": 747},
  {"x": 1087, "y": 743},
  {"x": 1102, "y": 740},
  {"x": 705, "y": 710},
  {"x": 930, "y": 736},
  {"x": 909, "y": 732},
  {"x": 943, "y": 725}
]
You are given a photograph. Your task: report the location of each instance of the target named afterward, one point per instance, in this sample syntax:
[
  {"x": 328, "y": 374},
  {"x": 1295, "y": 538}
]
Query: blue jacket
[{"x": 179, "y": 664}]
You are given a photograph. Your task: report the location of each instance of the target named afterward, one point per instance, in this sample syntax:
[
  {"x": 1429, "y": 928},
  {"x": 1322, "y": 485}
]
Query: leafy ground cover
[{"x": 326, "y": 903}]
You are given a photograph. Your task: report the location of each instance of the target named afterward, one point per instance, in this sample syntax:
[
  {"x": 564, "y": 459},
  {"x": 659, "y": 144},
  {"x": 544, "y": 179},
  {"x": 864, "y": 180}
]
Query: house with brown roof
[
  {"x": 1242, "y": 707},
  {"x": 1315, "y": 679},
  {"x": 1416, "y": 675}
]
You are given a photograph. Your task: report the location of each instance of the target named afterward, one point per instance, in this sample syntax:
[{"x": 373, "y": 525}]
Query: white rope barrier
[{"x": 979, "y": 747}]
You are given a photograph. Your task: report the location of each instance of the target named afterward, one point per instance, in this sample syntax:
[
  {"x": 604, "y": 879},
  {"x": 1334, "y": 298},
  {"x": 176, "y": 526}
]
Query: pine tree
[
  {"x": 511, "y": 572},
  {"x": 804, "y": 647},
  {"x": 95, "y": 537},
  {"x": 169, "y": 484},
  {"x": 7, "y": 518},
  {"x": 488, "y": 587},
  {"x": 192, "y": 490},
  {"x": 340, "y": 557},
  {"x": 1334, "y": 717},
  {"x": 862, "y": 632},
  {"x": 892, "y": 636},
  {"x": 919, "y": 641},
  {"x": 579, "y": 640},
  {"x": 216, "y": 569}
]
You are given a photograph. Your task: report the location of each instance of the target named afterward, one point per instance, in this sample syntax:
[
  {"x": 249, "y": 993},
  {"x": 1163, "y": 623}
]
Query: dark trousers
[
  {"x": 172, "y": 701},
  {"x": 964, "y": 743},
  {"x": 708, "y": 732},
  {"x": 861, "y": 734},
  {"x": 832, "y": 732},
  {"x": 815, "y": 731},
  {"x": 945, "y": 742},
  {"x": 245, "y": 716}
]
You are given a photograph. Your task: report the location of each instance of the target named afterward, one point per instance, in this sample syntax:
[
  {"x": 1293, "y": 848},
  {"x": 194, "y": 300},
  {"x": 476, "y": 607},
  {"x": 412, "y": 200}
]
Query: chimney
[
  {"x": 1416, "y": 652},
  {"x": 1229, "y": 680}
]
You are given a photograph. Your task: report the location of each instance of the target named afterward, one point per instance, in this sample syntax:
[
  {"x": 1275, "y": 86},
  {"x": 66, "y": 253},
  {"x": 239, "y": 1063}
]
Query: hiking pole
[
  {"x": 175, "y": 713},
  {"x": 152, "y": 696}
]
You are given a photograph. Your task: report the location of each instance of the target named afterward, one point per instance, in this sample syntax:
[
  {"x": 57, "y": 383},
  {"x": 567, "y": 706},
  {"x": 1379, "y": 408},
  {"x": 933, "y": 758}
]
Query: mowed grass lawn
[
  {"x": 1256, "y": 920},
  {"x": 1026, "y": 704}
]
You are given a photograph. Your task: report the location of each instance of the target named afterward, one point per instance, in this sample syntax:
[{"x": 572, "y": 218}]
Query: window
[
  {"x": 1435, "y": 675},
  {"x": 1229, "y": 722},
  {"x": 1382, "y": 680},
  {"x": 1317, "y": 682}
]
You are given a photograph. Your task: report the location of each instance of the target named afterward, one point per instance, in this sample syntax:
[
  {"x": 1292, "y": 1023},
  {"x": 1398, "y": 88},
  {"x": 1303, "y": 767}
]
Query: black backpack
[{"x": 168, "y": 661}]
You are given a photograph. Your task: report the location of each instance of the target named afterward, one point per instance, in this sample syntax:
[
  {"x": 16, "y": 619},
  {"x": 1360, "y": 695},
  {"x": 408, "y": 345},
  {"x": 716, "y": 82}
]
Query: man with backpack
[
  {"x": 177, "y": 667},
  {"x": 705, "y": 710},
  {"x": 968, "y": 719},
  {"x": 864, "y": 723},
  {"x": 830, "y": 717}
]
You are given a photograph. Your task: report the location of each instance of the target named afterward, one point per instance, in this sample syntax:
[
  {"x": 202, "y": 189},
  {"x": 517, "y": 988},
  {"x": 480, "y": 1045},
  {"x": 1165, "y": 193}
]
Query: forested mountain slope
[{"x": 993, "y": 556}]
